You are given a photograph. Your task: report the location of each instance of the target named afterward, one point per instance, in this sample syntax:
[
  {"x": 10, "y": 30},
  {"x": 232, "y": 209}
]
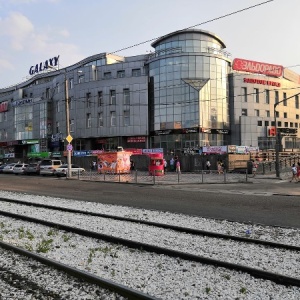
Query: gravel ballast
[{"x": 159, "y": 275}]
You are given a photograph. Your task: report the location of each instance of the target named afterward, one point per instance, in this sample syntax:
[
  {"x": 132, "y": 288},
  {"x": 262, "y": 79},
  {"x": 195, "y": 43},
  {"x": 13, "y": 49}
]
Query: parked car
[
  {"x": 32, "y": 169},
  {"x": 9, "y": 168},
  {"x": 48, "y": 166},
  {"x": 2, "y": 167},
  {"x": 63, "y": 169},
  {"x": 19, "y": 168}
]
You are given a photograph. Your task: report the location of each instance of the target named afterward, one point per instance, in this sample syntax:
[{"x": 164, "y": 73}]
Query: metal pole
[{"x": 67, "y": 124}]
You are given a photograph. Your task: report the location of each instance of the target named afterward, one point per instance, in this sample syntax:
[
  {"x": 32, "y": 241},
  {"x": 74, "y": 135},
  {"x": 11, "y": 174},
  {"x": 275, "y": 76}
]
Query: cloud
[{"x": 17, "y": 28}]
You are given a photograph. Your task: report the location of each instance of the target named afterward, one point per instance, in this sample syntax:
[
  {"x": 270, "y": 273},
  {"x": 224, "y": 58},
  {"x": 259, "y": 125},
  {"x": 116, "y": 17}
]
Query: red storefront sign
[
  {"x": 271, "y": 131},
  {"x": 250, "y": 66},
  {"x": 136, "y": 139},
  {"x": 261, "y": 81}
]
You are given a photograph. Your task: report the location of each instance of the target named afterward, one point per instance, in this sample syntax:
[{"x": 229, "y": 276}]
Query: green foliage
[{"x": 44, "y": 246}]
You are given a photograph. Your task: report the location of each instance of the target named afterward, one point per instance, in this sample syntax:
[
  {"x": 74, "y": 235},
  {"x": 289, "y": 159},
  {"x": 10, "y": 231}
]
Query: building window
[
  {"x": 126, "y": 96},
  {"x": 112, "y": 99},
  {"x": 268, "y": 113},
  {"x": 267, "y": 94},
  {"x": 136, "y": 72},
  {"x": 244, "y": 93},
  {"x": 57, "y": 106},
  {"x": 297, "y": 101},
  {"x": 57, "y": 127},
  {"x": 71, "y": 83},
  {"x": 296, "y": 125},
  {"x": 266, "y": 123},
  {"x": 291, "y": 124},
  {"x": 100, "y": 119},
  {"x": 285, "y": 115},
  {"x": 100, "y": 98},
  {"x": 88, "y": 99},
  {"x": 256, "y": 111},
  {"x": 126, "y": 117},
  {"x": 256, "y": 95},
  {"x": 72, "y": 125},
  {"x": 113, "y": 118},
  {"x": 272, "y": 123},
  {"x": 259, "y": 123},
  {"x": 88, "y": 121},
  {"x": 284, "y": 101},
  {"x": 107, "y": 75},
  {"x": 286, "y": 124},
  {"x": 279, "y": 123},
  {"x": 244, "y": 112},
  {"x": 277, "y": 114},
  {"x": 276, "y": 96},
  {"x": 121, "y": 74},
  {"x": 5, "y": 116},
  {"x": 47, "y": 93},
  {"x": 297, "y": 117},
  {"x": 81, "y": 78}
]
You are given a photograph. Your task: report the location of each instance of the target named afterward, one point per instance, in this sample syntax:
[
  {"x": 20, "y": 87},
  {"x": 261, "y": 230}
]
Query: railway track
[{"x": 179, "y": 235}]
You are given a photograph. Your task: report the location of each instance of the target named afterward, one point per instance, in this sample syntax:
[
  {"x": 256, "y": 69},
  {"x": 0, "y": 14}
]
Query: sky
[{"x": 32, "y": 31}]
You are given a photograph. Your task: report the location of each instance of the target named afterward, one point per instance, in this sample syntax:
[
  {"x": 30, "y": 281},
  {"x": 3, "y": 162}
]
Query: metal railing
[{"x": 143, "y": 177}]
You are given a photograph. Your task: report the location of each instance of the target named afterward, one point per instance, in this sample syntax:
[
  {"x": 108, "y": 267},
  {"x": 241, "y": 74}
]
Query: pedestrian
[
  {"x": 165, "y": 165},
  {"x": 208, "y": 165},
  {"x": 177, "y": 166},
  {"x": 94, "y": 165},
  {"x": 172, "y": 164},
  {"x": 254, "y": 168},
  {"x": 294, "y": 173},
  {"x": 220, "y": 169},
  {"x": 298, "y": 171},
  {"x": 132, "y": 165}
]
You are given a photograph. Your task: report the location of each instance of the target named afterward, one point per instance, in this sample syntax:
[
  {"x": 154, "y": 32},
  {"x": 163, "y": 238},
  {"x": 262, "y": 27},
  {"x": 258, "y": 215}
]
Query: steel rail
[
  {"x": 277, "y": 278},
  {"x": 161, "y": 225},
  {"x": 104, "y": 283}
]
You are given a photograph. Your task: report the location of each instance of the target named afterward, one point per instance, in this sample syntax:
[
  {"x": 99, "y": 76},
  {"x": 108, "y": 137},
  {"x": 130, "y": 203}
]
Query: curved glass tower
[{"x": 188, "y": 91}]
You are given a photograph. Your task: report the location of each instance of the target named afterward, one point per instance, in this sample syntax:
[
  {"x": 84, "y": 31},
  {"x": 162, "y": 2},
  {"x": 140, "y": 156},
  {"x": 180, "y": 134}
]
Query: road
[{"x": 263, "y": 201}]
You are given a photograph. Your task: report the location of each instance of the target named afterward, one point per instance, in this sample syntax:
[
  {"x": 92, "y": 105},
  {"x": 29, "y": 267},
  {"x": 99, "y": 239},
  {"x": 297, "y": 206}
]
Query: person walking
[
  {"x": 165, "y": 165},
  {"x": 220, "y": 170},
  {"x": 178, "y": 166},
  {"x": 172, "y": 164},
  {"x": 294, "y": 173},
  {"x": 254, "y": 168},
  {"x": 208, "y": 164},
  {"x": 298, "y": 171}
]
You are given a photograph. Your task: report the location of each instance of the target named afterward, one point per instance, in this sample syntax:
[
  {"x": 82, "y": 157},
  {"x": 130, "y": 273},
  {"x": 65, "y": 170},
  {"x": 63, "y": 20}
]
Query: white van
[{"x": 47, "y": 166}]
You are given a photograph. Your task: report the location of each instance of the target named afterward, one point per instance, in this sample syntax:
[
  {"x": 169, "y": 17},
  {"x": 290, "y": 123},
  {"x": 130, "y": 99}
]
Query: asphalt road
[{"x": 254, "y": 202}]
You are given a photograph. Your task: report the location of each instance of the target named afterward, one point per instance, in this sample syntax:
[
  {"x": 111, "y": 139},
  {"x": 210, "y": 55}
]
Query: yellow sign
[{"x": 69, "y": 138}]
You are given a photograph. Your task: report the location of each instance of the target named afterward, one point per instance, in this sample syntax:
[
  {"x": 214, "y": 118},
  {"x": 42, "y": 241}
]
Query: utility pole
[{"x": 69, "y": 138}]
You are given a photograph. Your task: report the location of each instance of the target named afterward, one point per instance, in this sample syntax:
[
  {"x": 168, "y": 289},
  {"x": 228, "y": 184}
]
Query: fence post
[
  {"x": 119, "y": 175},
  {"x": 178, "y": 174},
  {"x": 224, "y": 175},
  {"x": 153, "y": 177},
  {"x": 135, "y": 175},
  {"x": 104, "y": 176},
  {"x": 246, "y": 175},
  {"x": 202, "y": 175}
]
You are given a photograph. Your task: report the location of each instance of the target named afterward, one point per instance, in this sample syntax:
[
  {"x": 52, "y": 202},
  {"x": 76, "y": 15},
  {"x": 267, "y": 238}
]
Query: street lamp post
[
  {"x": 67, "y": 108},
  {"x": 278, "y": 136}
]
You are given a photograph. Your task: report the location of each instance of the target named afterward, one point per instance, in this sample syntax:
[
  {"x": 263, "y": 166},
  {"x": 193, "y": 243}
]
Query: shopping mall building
[{"x": 186, "y": 94}]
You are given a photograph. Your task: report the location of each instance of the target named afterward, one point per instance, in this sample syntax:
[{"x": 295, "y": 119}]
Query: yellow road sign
[{"x": 69, "y": 138}]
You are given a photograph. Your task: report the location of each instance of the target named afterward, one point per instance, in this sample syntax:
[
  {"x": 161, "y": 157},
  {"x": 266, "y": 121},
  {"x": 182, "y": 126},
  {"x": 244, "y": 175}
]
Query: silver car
[
  {"x": 63, "y": 170},
  {"x": 19, "y": 168},
  {"x": 9, "y": 168}
]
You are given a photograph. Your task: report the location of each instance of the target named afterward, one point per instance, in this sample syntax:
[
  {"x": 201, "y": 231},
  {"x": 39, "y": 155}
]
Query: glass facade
[{"x": 189, "y": 91}]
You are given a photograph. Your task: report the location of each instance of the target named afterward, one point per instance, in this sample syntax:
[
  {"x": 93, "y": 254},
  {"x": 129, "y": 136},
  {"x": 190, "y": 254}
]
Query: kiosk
[
  {"x": 156, "y": 164},
  {"x": 114, "y": 162}
]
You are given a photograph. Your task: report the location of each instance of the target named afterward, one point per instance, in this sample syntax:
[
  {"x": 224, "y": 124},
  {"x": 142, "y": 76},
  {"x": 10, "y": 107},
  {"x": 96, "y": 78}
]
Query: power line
[{"x": 193, "y": 26}]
